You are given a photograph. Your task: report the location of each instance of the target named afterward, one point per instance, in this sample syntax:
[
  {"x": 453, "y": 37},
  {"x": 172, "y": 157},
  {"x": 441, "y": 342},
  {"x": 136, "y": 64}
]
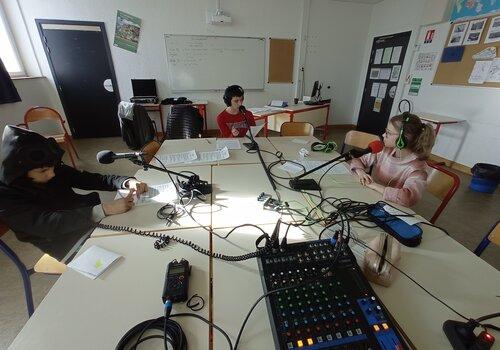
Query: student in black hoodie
[{"x": 37, "y": 200}]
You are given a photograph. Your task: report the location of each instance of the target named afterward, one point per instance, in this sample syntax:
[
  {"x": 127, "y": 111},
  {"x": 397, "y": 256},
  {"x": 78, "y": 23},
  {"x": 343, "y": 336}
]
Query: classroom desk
[
  {"x": 290, "y": 146},
  {"x": 441, "y": 264},
  {"x": 83, "y": 313},
  {"x": 144, "y": 217},
  {"x": 295, "y": 113},
  {"x": 185, "y": 145},
  {"x": 238, "y": 284},
  {"x": 236, "y": 188},
  {"x": 80, "y": 313},
  {"x": 438, "y": 120},
  {"x": 241, "y": 156}
]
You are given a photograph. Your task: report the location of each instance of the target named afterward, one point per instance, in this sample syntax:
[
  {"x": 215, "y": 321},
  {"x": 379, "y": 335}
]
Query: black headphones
[{"x": 230, "y": 92}]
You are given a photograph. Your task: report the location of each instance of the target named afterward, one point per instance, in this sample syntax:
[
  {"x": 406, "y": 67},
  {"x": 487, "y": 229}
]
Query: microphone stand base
[
  {"x": 253, "y": 146},
  {"x": 306, "y": 184}
]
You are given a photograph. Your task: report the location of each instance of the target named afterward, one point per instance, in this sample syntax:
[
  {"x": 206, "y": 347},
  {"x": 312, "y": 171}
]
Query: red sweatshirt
[{"x": 227, "y": 122}]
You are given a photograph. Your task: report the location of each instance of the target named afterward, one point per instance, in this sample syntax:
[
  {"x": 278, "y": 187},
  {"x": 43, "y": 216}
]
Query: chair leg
[
  {"x": 73, "y": 146},
  {"x": 70, "y": 153},
  {"x": 24, "y": 274}
]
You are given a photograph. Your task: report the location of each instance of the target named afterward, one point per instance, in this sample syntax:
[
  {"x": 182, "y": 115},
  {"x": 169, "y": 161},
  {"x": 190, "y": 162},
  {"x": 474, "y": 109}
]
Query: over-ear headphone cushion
[{"x": 227, "y": 97}]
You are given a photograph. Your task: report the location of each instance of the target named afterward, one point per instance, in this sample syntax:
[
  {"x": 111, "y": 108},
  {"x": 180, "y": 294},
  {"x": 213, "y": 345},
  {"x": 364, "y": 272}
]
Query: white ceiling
[{"x": 363, "y": 1}]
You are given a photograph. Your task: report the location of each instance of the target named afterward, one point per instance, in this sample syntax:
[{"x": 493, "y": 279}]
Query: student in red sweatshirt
[{"x": 231, "y": 121}]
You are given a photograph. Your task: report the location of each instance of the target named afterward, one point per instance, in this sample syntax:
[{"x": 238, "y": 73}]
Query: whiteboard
[{"x": 204, "y": 62}]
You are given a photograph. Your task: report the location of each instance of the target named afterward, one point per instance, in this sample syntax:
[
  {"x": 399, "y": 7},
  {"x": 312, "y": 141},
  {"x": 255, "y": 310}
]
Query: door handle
[{"x": 108, "y": 85}]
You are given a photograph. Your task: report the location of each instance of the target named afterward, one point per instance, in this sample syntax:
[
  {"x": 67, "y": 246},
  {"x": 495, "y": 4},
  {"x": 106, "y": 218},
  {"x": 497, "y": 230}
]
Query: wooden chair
[
  {"x": 35, "y": 114},
  {"x": 358, "y": 139},
  {"x": 442, "y": 184},
  {"x": 150, "y": 150},
  {"x": 492, "y": 236},
  {"x": 46, "y": 264},
  {"x": 296, "y": 129}
]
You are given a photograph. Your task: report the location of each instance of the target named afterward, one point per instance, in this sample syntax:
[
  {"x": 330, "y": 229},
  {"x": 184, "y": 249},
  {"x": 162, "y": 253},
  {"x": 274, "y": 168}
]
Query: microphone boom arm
[{"x": 309, "y": 184}]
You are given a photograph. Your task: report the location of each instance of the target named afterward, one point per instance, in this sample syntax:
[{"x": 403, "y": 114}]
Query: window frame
[{"x": 10, "y": 36}]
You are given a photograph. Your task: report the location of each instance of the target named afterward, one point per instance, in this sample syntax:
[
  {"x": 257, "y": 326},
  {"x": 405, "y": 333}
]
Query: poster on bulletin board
[{"x": 473, "y": 8}]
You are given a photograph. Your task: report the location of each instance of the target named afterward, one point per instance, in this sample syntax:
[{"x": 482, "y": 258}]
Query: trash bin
[{"x": 485, "y": 177}]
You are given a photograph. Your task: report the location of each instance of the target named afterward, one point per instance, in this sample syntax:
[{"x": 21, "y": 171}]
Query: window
[{"x": 8, "y": 50}]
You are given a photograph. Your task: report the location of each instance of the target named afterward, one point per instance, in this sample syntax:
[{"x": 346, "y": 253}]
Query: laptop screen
[{"x": 144, "y": 87}]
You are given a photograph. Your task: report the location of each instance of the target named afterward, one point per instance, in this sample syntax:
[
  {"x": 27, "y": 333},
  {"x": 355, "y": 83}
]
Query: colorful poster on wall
[
  {"x": 415, "y": 85},
  {"x": 494, "y": 31},
  {"x": 429, "y": 36},
  {"x": 127, "y": 31},
  {"x": 475, "y": 30},
  {"x": 472, "y": 8},
  {"x": 458, "y": 34}
]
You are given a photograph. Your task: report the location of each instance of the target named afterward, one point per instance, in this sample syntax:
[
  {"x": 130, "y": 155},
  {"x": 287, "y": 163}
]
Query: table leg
[
  {"x": 325, "y": 130},
  {"x": 266, "y": 128},
  {"x": 160, "y": 110},
  {"x": 438, "y": 126}
]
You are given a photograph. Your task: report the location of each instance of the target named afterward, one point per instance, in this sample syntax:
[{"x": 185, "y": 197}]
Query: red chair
[
  {"x": 35, "y": 114},
  {"x": 442, "y": 184}
]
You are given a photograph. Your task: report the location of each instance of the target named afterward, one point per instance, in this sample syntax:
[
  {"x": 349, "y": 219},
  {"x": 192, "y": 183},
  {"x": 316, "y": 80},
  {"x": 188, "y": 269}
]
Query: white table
[
  {"x": 80, "y": 313},
  {"x": 291, "y": 145},
  {"x": 144, "y": 217},
  {"x": 434, "y": 264},
  {"x": 241, "y": 156},
  {"x": 236, "y": 188},
  {"x": 186, "y": 145}
]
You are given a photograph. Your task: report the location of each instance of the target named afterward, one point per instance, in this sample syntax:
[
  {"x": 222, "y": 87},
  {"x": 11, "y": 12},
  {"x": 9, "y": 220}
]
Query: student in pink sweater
[{"x": 399, "y": 171}]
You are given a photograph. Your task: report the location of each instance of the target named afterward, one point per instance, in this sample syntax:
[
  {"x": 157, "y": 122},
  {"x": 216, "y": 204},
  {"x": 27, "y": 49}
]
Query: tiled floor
[{"x": 467, "y": 218}]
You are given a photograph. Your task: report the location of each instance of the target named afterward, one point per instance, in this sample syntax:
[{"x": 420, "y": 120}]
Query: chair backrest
[
  {"x": 442, "y": 184},
  {"x": 150, "y": 150},
  {"x": 184, "y": 122},
  {"x": 492, "y": 236},
  {"x": 296, "y": 129},
  {"x": 35, "y": 114},
  {"x": 358, "y": 139}
]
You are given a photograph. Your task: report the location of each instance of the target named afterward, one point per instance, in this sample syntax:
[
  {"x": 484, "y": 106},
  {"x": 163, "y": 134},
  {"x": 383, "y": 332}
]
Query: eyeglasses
[{"x": 389, "y": 133}]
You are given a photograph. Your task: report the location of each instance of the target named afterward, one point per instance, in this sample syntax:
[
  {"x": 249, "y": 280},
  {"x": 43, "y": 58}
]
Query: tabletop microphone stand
[
  {"x": 193, "y": 181},
  {"x": 254, "y": 146},
  {"x": 299, "y": 184}
]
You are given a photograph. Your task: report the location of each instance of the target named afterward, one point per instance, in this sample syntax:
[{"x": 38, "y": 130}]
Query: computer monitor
[{"x": 144, "y": 87}]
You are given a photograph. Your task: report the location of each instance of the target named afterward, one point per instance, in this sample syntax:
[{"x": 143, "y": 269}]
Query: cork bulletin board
[
  {"x": 281, "y": 55},
  {"x": 458, "y": 73}
]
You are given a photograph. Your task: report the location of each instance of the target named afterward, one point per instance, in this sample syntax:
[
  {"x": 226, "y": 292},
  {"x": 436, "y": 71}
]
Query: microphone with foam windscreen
[
  {"x": 108, "y": 157},
  {"x": 373, "y": 147}
]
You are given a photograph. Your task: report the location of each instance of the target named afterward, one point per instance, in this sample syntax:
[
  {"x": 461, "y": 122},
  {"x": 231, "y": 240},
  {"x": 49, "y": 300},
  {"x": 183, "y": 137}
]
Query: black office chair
[{"x": 184, "y": 122}]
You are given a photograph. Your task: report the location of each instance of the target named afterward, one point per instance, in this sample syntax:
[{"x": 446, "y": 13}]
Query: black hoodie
[{"x": 51, "y": 216}]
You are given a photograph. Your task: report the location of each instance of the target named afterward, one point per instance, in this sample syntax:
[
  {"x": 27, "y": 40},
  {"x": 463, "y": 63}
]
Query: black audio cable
[{"x": 173, "y": 335}]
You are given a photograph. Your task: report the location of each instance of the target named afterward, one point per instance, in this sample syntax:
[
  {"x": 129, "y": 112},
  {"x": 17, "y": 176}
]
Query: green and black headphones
[
  {"x": 324, "y": 147},
  {"x": 401, "y": 142}
]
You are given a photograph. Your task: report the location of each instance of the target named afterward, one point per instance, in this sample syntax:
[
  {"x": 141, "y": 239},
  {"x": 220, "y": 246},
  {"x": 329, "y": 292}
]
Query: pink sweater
[{"x": 404, "y": 178}]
